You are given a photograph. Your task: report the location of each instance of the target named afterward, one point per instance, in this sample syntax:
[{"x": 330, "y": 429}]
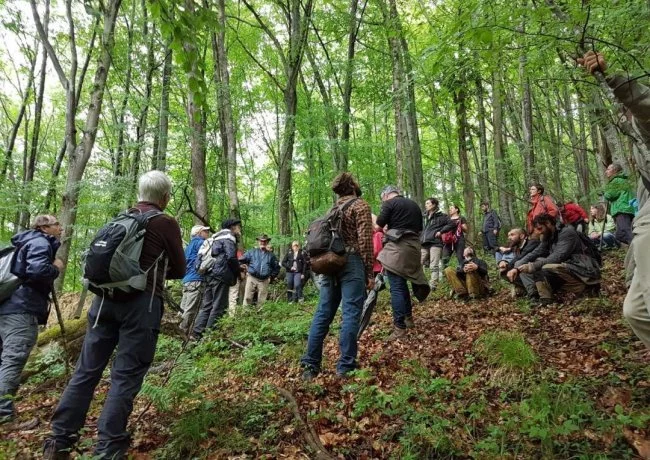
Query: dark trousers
[
  {"x": 623, "y": 227},
  {"x": 294, "y": 286},
  {"x": 215, "y": 304},
  {"x": 490, "y": 243},
  {"x": 400, "y": 299},
  {"x": 131, "y": 327},
  {"x": 448, "y": 250}
]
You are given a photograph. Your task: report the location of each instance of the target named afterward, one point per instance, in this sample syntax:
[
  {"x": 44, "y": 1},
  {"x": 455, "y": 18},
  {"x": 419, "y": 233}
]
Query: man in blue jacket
[
  {"x": 192, "y": 282},
  {"x": 220, "y": 277},
  {"x": 262, "y": 267},
  {"x": 35, "y": 265}
]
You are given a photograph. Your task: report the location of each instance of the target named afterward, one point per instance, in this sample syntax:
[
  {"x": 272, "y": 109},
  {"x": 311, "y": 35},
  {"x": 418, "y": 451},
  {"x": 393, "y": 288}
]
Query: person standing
[
  {"x": 460, "y": 227},
  {"x": 539, "y": 204},
  {"x": 347, "y": 288},
  {"x": 618, "y": 192},
  {"x": 435, "y": 224},
  {"x": 262, "y": 268},
  {"x": 490, "y": 228},
  {"x": 192, "y": 282},
  {"x": 35, "y": 265},
  {"x": 128, "y": 322},
  {"x": 399, "y": 257},
  {"x": 236, "y": 291},
  {"x": 222, "y": 275},
  {"x": 294, "y": 263},
  {"x": 377, "y": 245},
  {"x": 636, "y": 98}
]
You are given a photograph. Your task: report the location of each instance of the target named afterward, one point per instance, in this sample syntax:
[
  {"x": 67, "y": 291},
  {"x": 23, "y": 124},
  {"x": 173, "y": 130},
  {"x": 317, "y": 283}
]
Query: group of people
[{"x": 554, "y": 252}]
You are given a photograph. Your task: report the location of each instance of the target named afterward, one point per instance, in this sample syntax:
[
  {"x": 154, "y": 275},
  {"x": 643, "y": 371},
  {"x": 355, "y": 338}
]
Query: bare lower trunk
[{"x": 160, "y": 141}]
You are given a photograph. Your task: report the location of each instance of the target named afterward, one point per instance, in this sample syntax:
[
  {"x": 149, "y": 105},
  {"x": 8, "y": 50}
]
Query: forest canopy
[{"x": 253, "y": 106}]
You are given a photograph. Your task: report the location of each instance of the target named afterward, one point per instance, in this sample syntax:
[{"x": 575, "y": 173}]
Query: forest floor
[{"x": 485, "y": 379}]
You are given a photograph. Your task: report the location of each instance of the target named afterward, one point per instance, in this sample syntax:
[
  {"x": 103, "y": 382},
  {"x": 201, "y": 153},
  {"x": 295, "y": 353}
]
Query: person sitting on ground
[
  {"x": 400, "y": 256},
  {"x": 602, "y": 228},
  {"x": 347, "y": 288},
  {"x": 436, "y": 223},
  {"x": 222, "y": 275},
  {"x": 193, "y": 281},
  {"x": 469, "y": 279},
  {"x": 619, "y": 193},
  {"x": 539, "y": 204},
  {"x": 573, "y": 215},
  {"x": 520, "y": 246},
  {"x": 562, "y": 259},
  {"x": 377, "y": 245},
  {"x": 294, "y": 264},
  {"x": 128, "y": 323},
  {"x": 34, "y": 263},
  {"x": 460, "y": 229},
  {"x": 263, "y": 267},
  {"x": 490, "y": 228}
]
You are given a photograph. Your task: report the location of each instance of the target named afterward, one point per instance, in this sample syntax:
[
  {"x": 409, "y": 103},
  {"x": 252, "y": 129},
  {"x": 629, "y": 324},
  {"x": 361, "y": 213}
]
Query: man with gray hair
[
  {"x": 34, "y": 264},
  {"x": 129, "y": 322}
]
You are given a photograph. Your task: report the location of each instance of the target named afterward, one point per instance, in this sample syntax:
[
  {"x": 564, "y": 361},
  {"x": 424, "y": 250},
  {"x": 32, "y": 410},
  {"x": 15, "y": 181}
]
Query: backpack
[
  {"x": 8, "y": 281},
  {"x": 590, "y": 249},
  {"x": 325, "y": 244},
  {"x": 112, "y": 261},
  {"x": 204, "y": 258},
  {"x": 452, "y": 236}
]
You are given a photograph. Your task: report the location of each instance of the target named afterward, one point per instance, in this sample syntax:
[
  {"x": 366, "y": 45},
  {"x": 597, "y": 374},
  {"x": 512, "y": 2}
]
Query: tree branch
[{"x": 48, "y": 46}]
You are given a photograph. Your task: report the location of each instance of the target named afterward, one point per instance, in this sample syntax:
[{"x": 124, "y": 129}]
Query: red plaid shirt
[{"x": 356, "y": 227}]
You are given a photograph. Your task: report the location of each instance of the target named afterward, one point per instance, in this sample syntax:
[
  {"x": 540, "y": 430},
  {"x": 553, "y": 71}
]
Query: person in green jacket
[{"x": 618, "y": 192}]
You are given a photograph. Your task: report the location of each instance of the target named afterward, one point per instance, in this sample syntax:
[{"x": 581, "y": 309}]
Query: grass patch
[{"x": 505, "y": 349}]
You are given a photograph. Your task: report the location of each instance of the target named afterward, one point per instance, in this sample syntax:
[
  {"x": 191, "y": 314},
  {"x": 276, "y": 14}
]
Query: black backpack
[
  {"x": 590, "y": 248},
  {"x": 325, "y": 244}
]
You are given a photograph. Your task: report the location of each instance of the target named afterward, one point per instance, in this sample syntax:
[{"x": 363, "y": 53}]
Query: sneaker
[
  {"x": 410, "y": 324},
  {"x": 50, "y": 451},
  {"x": 309, "y": 374},
  {"x": 397, "y": 334}
]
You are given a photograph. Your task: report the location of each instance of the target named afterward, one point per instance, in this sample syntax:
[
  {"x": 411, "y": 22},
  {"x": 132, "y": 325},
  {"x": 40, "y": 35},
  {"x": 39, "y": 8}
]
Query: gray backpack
[{"x": 8, "y": 281}]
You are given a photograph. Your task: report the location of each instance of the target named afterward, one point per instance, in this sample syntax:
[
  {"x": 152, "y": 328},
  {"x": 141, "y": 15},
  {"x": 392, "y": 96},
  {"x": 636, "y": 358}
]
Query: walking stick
[{"x": 59, "y": 318}]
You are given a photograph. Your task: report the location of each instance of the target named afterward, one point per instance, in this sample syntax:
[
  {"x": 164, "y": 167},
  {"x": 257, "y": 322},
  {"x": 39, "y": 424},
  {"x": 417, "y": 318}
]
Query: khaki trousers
[
  {"x": 636, "y": 308},
  {"x": 233, "y": 296},
  {"x": 432, "y": 256},
  {"x": 558, "y": 278},
  {"x": 254, "y": 285},
  {"x": 472, "y": 283}
]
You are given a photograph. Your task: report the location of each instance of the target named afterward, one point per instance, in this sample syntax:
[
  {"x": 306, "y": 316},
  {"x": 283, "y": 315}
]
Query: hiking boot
[
  {"x": 421, "y": 291},
  {"x": 309, "y": 374},
  {"x": 398, "y": 334},
  {"x": 50, "y": 451},
  {"x": 410, "y": 324}
]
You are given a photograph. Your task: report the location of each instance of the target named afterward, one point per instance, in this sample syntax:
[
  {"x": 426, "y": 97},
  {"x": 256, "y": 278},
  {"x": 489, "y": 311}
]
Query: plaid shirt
[{"x": 356, "y": 227}]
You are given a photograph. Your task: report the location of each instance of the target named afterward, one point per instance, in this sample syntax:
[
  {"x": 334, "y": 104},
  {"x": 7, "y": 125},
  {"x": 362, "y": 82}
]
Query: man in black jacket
[
  {"x": 519, "y": 246},
  {"x": 561, "y": 258},
  {"x": 490, "y": 229},
  {"x": 296, "y": 266},
  {"x": 435, "y": 223},
  {"x": 470, "y": 279}
]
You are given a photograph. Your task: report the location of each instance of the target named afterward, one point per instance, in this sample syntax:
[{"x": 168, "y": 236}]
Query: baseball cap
[{"x": 198, "y": 229}]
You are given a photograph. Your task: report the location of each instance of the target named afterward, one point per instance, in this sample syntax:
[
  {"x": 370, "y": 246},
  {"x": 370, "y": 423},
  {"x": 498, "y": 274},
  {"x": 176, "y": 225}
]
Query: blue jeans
[
  {"x": 294, "y": 286},
  {"x": 507, "y": 256},
  {"x": 348, "y": 289},
  {"x": 609, "y": 241},
  {"x": 18, "y": 333},
  {"x": 400, "y": 299},
  {"x": 133, "y": 329}
]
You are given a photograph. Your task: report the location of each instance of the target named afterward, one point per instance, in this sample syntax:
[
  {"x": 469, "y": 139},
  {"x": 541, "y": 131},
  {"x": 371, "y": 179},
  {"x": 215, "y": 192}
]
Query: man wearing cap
[
  {"x": 223, "y": 274},
  {"x": 401, "y": 256},
  {"x": 262, "y": 267},
  {"x": 192, "y": 282}
]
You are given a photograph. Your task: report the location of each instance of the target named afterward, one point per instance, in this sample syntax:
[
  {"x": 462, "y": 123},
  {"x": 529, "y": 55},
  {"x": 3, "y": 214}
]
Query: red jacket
[
  {"x": 573, "y": 214},
  {"x": 541, "y": 204}
]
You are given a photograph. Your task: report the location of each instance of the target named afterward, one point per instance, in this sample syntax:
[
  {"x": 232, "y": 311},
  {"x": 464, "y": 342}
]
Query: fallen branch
[{"x": 309, "y": 434}]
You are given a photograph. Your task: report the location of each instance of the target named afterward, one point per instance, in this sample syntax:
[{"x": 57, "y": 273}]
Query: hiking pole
[{"x": 59, "y": 318}]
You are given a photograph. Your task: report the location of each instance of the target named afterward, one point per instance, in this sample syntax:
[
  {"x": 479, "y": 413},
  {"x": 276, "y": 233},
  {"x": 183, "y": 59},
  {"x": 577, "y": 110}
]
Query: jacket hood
[
  {"x": 622, "y": 175},
  {"x": 23, "y": 238},
  {"x": 225, "y": 234}
]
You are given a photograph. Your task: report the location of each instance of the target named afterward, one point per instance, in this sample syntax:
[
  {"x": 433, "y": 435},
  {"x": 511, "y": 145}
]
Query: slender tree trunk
[
  {"x": 500, "y": 165},
  {"x": 120, "y": 152},
  {"x": 160, "y": 140},
  {"x": 530, "y": 171},
  {"x": 484, "y": 171},
  {"x": 78, "y": 159},
  {"x": 468, "y": 186}
]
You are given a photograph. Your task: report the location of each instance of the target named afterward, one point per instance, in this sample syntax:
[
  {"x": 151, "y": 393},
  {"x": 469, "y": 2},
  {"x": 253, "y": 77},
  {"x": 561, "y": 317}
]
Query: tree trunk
[
  {"x": 78, "y": 159},
  {"x": 500, "y": 164},
  {"x": 160, "y": 140},
  {"x": 484, "y": 171},
  {"x": 120, "y": 155},
  {"x": 530, "y": 171},
  {"x": 468, "y": 186}
]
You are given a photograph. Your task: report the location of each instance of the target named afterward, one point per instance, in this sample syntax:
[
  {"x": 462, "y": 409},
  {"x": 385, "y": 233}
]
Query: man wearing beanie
[
  {"x": 192, "y": 282},
  {"x": 223, "y": 274}
]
